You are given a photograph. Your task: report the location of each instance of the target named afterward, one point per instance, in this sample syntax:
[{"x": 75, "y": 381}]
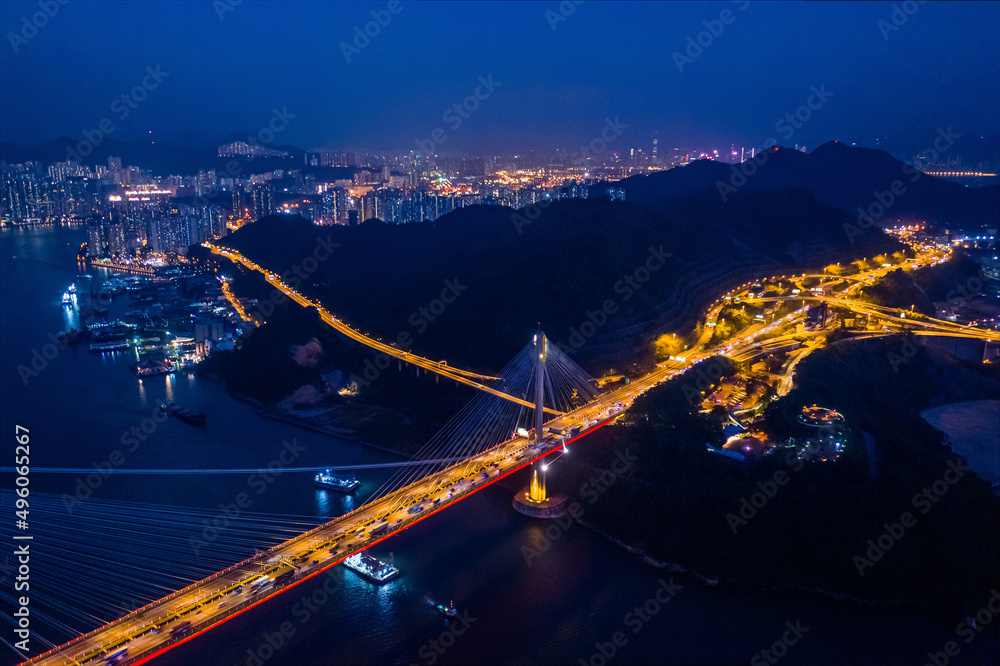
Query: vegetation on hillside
[{"x": 678, "y": 500}]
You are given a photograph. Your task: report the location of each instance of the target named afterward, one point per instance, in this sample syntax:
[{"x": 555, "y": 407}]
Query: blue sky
[{"x": 559, "y": 78}]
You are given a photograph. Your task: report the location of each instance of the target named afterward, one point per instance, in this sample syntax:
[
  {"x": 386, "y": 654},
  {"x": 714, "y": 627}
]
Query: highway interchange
[{"x": 154, "y": 628}]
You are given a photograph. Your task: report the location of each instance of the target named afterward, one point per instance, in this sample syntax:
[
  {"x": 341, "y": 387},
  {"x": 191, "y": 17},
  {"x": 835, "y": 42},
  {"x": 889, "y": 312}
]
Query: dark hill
[
  {"x": 842, "y": 176},
  {"x": 567, "y": 263}
]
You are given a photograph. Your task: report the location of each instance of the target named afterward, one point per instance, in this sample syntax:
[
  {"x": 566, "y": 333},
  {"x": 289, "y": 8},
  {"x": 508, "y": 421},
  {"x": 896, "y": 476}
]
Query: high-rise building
[
  {"x": 95, "y": 239},
  {"x": 115, "y": 231},
  {"x": 333, "y": 209},
  {"x": 262, "y": 200},
  {"x": 239, "y": 202},
  {"x": 655, "y": 158}
]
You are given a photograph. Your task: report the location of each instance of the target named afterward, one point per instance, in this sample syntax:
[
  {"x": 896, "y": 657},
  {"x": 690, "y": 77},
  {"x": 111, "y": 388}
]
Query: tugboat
[
  {"x": 186, "y": 415},
  {"x": 330, "y": 481},
  {"x": 447, "y": 611}
]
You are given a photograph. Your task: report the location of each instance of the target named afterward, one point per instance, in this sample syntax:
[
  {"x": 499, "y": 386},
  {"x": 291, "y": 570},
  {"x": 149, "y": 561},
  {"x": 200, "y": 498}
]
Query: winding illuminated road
[{"x": 165, "y": 623}]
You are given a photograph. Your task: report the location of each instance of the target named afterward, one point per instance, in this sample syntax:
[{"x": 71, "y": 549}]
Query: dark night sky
[{"x": 557, "y": 86}]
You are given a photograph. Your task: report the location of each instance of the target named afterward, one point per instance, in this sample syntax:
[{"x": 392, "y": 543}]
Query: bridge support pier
[{"x": 533, "y": 500}]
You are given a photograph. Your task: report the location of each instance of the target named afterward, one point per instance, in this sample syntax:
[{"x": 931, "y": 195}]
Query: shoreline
[{"x": 345, "y": 434}]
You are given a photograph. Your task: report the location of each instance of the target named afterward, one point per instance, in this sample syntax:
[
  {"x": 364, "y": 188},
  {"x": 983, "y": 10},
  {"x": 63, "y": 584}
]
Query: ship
[
  {"x": 108, "y": 345},
  {"x": 371, "y": 569},
  {"x": 184, "y": 414},
  {"x": 153, "y": 367},
  {"x": 330, "y": 481},
  {"x": 447, "y": 611},
  {"x": 67, "y": 298}
]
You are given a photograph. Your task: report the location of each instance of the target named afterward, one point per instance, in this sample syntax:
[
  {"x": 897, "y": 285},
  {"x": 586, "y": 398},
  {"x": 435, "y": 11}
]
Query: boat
[
  {"x": 67, "y": 298},
  {"x": 330, "y": 481},
  {"x": 371, "y": 569},
  {"x": 184, "y": 414},
  {"x": 73, "y": 337},
  {"x": 447, "y": 611},
  {"x": 108, "y": 345},
  {"x": 153, "y": 367}
]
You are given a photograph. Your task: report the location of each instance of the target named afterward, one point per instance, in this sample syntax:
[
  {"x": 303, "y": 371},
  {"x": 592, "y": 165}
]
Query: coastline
[{"x": 340, "y": 433}]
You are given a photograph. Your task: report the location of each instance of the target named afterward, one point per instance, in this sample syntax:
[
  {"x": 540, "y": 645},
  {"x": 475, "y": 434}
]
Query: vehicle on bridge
[
  {"x": 260, "y": 584},
  {"x": 117, "y": 658},
  {"x": 180, "y": 629}
]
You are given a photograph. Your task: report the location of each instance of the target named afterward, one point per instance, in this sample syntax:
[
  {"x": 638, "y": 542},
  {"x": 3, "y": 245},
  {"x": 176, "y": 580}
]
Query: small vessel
[
  {"x": 67, "y": 298},
  {"x": 447, "y": 611},
  {"x": 330, "y": 481},
  {"x": 184, "y": 414}
]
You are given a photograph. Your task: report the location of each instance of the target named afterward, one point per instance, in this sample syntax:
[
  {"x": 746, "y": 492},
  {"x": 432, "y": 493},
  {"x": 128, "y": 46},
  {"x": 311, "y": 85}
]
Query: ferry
[
  {"x": 371, "y": 569},
  {"x": 330, "y": 481},
  {"x": 186, "y": 415},
  {"x": 447, "y": 611}
]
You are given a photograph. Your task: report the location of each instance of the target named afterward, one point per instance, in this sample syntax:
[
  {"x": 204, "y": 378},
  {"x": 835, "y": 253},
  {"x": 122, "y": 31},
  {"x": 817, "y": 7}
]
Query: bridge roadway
[
  {"x": 891, "y": 314},
  {"x": 146, "y": 632},
  {"x": 440, "y": 367}
]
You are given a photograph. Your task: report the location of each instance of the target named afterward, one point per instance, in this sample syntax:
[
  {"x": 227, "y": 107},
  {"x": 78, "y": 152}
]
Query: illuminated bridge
[
  {"x": 502, "y": 430},
  {"x": 479, "y": 437}
]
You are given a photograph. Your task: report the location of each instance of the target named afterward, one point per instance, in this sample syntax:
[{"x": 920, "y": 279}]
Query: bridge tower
[
  {"x": 536, "y": 492},
  {"x": 534, "y": 500}
]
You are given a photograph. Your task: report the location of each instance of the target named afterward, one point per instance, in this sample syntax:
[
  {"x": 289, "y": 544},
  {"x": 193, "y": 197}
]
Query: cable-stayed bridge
[
  {"x": 501, "y": 431},
  {"x": 490, "y": 438}
]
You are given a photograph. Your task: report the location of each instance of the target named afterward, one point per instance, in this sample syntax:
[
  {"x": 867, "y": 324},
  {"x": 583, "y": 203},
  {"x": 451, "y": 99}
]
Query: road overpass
[{"x": 467, "y": 377}]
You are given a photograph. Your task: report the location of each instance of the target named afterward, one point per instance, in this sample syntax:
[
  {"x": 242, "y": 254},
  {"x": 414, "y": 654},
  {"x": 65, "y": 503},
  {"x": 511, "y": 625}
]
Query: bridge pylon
[{"x": 533, "y": 500}]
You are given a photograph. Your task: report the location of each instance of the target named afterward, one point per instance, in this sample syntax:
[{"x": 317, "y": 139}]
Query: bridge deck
[{"x": 146, "y": 631}]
